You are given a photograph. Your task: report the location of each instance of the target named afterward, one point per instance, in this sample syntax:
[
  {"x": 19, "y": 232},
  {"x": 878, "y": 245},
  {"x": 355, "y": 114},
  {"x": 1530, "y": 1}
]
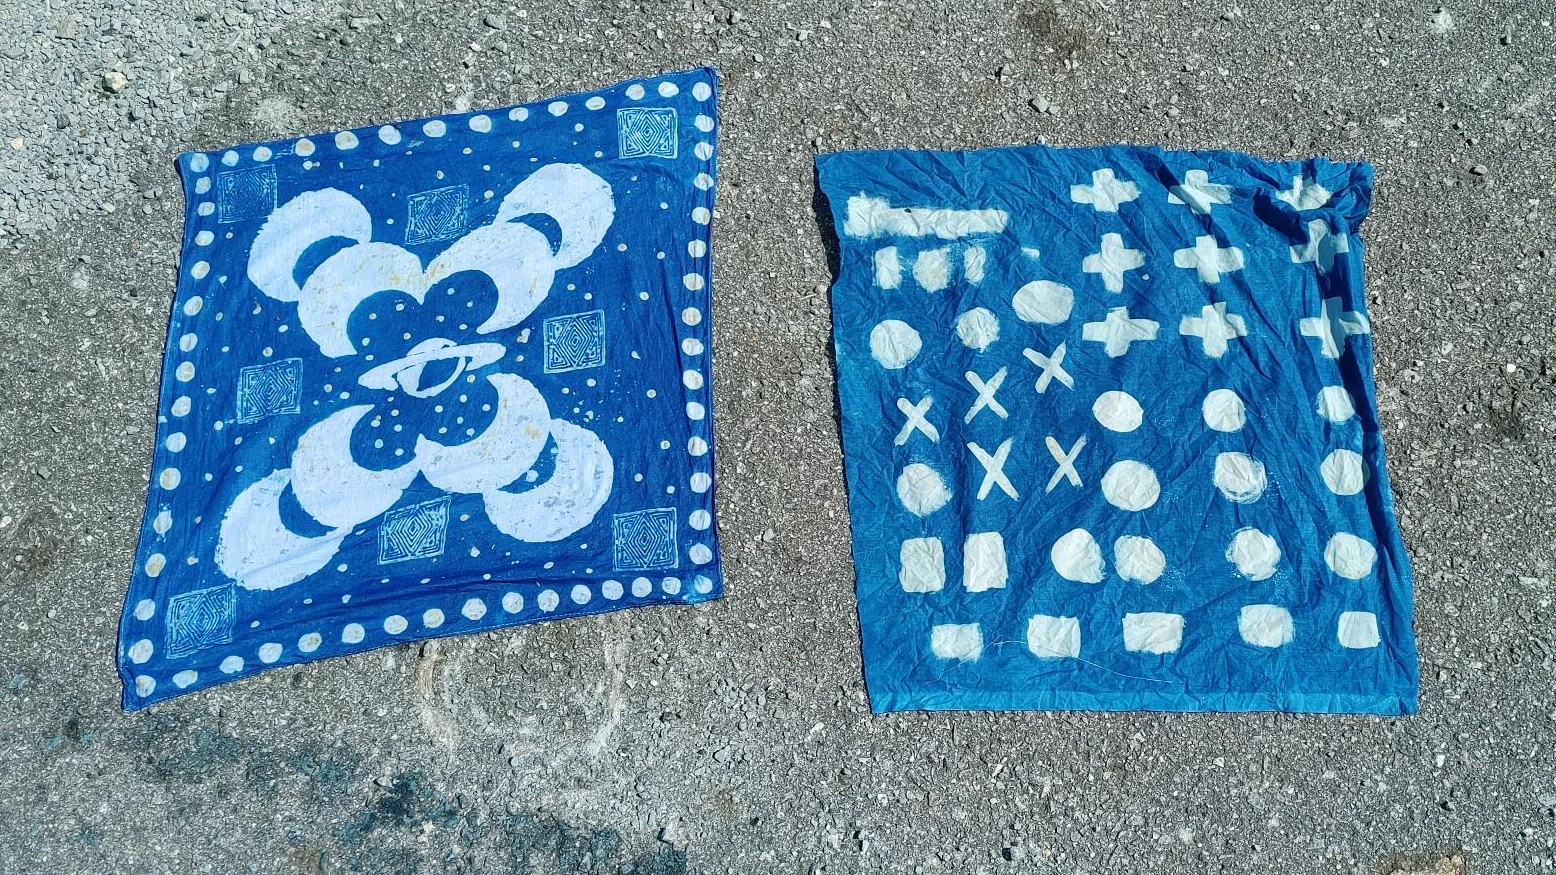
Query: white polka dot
[
  {"x": 200, "y": 269},
  {"x": 352, "y": 633},
  {"x": 432, "y": 618},
  {"x": 303, "y": 147},
  {"x": 921, "y": 489},
  {"x": 696, "y": 446},
  {"x": 1130, "y": 485},
  {"x": 1344, "y": 472},
  {"x": 141, "y": 651},
  {"x": 1240, "y": 477},
  {"x": 595, "y": 102},
  {"x": 691, "y": 346},
  {"x": 232, "y": 665},
  {"x": 635, "y": 91},
  {"x": 691, "y": 316},
  {"x": 481, "y": 124},
  {"x": 669, "y": 89},
  {"x": 700, "y": 215},
  {"x": 1076, "y": 556},
  {"x": 700, "y": 554},
  {"x": 394, "y": 624},
  {"x": 557, "y": 107},
  {"x": 230, "y": 158},
  {"x": 547, "y": 600},
  {"x": 700, "y": 520},
  {"x": 435, "y": 128},
  {"x": 181, "y": 405},
  {"x": 202, "y": 185},
  {"x": 1335, "y": 404},
  {"x": 184, "y": 372},
  {"x": 703, "y": 151},
  {"x": 310, "y": 642},
  {"x": 145, "y": 609},
  {"x": 701, "y": 91},
  {"x": 205, "y": 209},
  {"x": 512, "y": 602},
  {"x": 894, "y": 343},
  {"x": 262, "y": 153},
  {"x": 389, "y": 134},
  {"x": 204, "y": 238},
  {"x": 163, "y": 522},
  {"x": 1254, "y": 553},
  {"x": 671, "y": 585},
  {"x": 474, "y": 609},
  {"x": 959, "y": 641},
  {"x": 345, "y": 140},
  {"x": 170, "y": 478},
  {"x": 176, "y": 442},
  {"x": 703, "y": 123},
  {"x": 691, "y": 379},
  {"x": 1138, "y": 558},
  {"x": 145, "y": 685},
  {"x": 1117, "y": 411},
  {"x": 611, "y": 589},
  {"x": 703, "y": 584},
  {"x": 188, "y": 341},
  {"x": 154, "y": 564},
  {"x": 642, "y": 586},
  {"x": 1153, "y": 632},
  {"x": 696, "y": 248},
  {"x": 1358, "y": 630},
  {"x": 193, "y": 305},
  {"x": 269, "y": 652},
  {"x": 1349, "y": 556},
  {"x": 701, "y": 482},
  {"x": 703, "y": 181},
  {"x": 977, "y": 328},
  {"x": 1044, "y": 302},
  {"x": 693, "y": 282},
  {"x": 580, "y": 594},
  {"x": 695, "y": 411},
  {"x": 1265, "y": 625},
  {"x": 199, "y": 163},
  {"x": 1223, "y": 410}
]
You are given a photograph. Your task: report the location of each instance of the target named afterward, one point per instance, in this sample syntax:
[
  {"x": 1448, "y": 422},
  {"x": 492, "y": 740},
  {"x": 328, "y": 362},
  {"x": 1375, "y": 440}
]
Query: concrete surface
[{"x": 734, "y": 737}]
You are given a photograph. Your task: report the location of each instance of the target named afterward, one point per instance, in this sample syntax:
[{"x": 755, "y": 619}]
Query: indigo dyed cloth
[
  {"x": 1110, "y": 433},
  {"x": 430, "y": 378}
]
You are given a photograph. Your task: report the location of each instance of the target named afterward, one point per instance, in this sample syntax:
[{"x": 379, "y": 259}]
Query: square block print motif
[
  {"x": 429, "y": 378},
  {"x": 1110, "y": 433}
]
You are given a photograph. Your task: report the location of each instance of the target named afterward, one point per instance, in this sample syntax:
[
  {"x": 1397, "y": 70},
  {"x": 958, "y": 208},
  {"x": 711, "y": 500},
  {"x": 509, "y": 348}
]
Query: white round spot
[
  {"x": 691, "y": 379},
  {"x": 169, "y": 479},
  {"x": 310, "y": 642},
  {"x": 1253, "y": 553},
  {"x": 977, "y": 328},
  {"x": 693, "y": 282},
  {"x": 185, "y": 678},
  {"x": 269, "y": 652},
  {"x": 669, "y": 89},
  {"x": 635, "y": 91},
  {"x": 695, "y": 411},
  {"x": 701, "y": 482},
  {"x": 145, "y": 685},
  {"x": 700, "y": 520},
  {"x": 435, "y": 128},
  {"x": 701, "y": 91},
  {"x": 1335, "y": 404},
  {"x": 557, "y": 107},
  {"x": 262, "y": 153},
  {"x": 580, "y": 594},
  {"x": 921, "y": 489},
  {"x": 230, "y": 158},
  {"x": 512, "y": 602},
  {"x": 671, "y": 585},
  {"x": 154, "y": 564},
  {"x": 700, "y": 554},
  {"x": 303, "y": 147},
  {"x": 696, "y": 248},
  {"x": 691, "y": 346},
  {"x": 188, "y": 341},
  {"x": 184, "y": 372},
  {"x": 141, "y": 651},
  {"x": 163, "y": 522},
  {"x": 193, "y": 305},
  {"x": 703, "y": 584},
  {"x": 1138, "y": 558},
  {"x": 1117, "y": 411},
  {"x": 611, "y": 589},
  {"x": 703, "y": 181},
  {"x": 1223, "y": 410},
  {"x": 642, "y": 586},
  {"x": 176, "y": 442},
  {"x": 345, "y": 140},
  {"x": 547, "y": 600},
  {"x": 1130, "y": 485},
  {"x": 202, "y": 185},
  {"x": 205, "y": 209},
  {"x": 198, "y": 162},
  {"x": 703, "y": 151},
  {"x": 232, "y": 665},
  {"x": 204, "y": 238},
  {"x": 595, "y": 102},
  {"x": 1076, "y": 556},
  {"x": 394, "y": 624},
  {"x": 199, "y": 269},
  {"x": 1350, "y": 556},
  {"x": 703, "y": 123},
  {"x": 1043, "y": 301},
  {"x": 481, "y": 124},
  {"x": 894, "y": 343},
  {"x": 700, "y": 215},
  {"x": 352, "y": 633},
  {"x": 1344, "y": 472},
  {"x": 696, "y": 446},
  {"x": 432, "y": 618},
  {"x": 474, "y": 609},
  {"x": 691, "y": 316},
  {"x": 145, "y": 609},
  {"x": 389, "y": 134},
  {"x": 1240, "y": 477},
  {"x": 181, "y": 405}
]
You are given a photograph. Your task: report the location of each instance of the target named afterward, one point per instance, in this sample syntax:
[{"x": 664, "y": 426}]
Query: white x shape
[
  {"x": 986, "y": 395},
  {"x": 994, "y": 469},
  {"x": 1053, "y": 368},
  {"x": 1066, "y": 462},
  {"x": 916, "y": 421}
]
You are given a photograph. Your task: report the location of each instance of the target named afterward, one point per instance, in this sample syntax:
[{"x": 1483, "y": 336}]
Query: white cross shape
[
  {"x": 916, "y": 421},
  {"x": 1053, "y": 368},
  {"x": 1333, "y": 325},
  {"x": 1117, "y": 331},
  {"x": 1199, "y": 192},
  {"x": 1106, "y": 191},
  {"x": 1215, "y": 327},
  {"x": 1112, "y": 261},
  {"x": 1210, "y": 259},
  {"x": 1304, "y": 194},
  {"x": 1066, "y": 462},
  {"x": 986, "y": 395},
  {"x": 1321, "y": 247},
  {"x": 994, "y": 470}
]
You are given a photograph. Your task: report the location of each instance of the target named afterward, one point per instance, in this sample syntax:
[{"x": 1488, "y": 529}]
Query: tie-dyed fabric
[
  {"x": 430, "y": 378},
  {"x": 1110, "y": 433}
]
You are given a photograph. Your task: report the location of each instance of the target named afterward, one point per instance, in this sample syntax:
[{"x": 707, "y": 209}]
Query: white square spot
[
  {"x": 957, "y": 641},
  {"x": 1358, "y": 629},
  {"x": 1054, "y": 637},
  {"x": 922, "y": 566},
  {"x": 1265, "y": 625},
  {"x": 1152, "y": 632},
  {"x": 983, "y": 562}
]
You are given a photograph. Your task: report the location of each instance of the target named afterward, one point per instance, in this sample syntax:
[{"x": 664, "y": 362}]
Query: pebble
[
  {"x": 115, "y": 82},
  {"x": 494, "y": 21}
]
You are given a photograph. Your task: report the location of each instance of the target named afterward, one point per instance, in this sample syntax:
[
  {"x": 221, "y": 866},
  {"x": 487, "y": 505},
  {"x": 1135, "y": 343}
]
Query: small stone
[
  {"x": 1479, "y": 170},
  {"x": 115, "y": 82},
  {"x": 494, "y": 21}
]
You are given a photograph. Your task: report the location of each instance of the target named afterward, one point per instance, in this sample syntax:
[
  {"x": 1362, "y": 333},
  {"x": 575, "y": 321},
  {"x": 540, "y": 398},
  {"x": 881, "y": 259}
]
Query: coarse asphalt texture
[{"x": 734, "y": 736}]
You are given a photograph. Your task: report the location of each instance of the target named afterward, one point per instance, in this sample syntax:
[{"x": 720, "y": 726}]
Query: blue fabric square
[
  {"x": 418, "y": 374},
  {"x": 1110, "y": 433}
]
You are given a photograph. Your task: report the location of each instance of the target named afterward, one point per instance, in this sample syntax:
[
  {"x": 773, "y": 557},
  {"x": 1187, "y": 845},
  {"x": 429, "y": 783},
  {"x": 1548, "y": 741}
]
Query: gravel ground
[{"x": 734, "y": 737}]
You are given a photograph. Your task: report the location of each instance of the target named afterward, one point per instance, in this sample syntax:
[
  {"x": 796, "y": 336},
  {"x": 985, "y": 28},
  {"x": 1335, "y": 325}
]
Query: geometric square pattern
[
  {"x": 575, "y": 341},
  {"x": 644, "y": 539},
  {"x": 646, "y": 132},
  {"x": 199, "y": 619},
  {"x": 438, "y": 214},
  {"x": 415, "y": 532},
  {"x": 268, "y": 389},
  {"x": 245, "y": 194}
]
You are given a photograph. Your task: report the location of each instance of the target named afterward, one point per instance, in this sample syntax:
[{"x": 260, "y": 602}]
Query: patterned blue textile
[
  {"x": 1110, "y": 433},
  {"x": 431, "y": 378}
]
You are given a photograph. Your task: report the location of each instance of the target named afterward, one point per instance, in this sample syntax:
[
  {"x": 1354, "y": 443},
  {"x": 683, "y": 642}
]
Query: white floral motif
[{"x": 255, "y": 547}]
